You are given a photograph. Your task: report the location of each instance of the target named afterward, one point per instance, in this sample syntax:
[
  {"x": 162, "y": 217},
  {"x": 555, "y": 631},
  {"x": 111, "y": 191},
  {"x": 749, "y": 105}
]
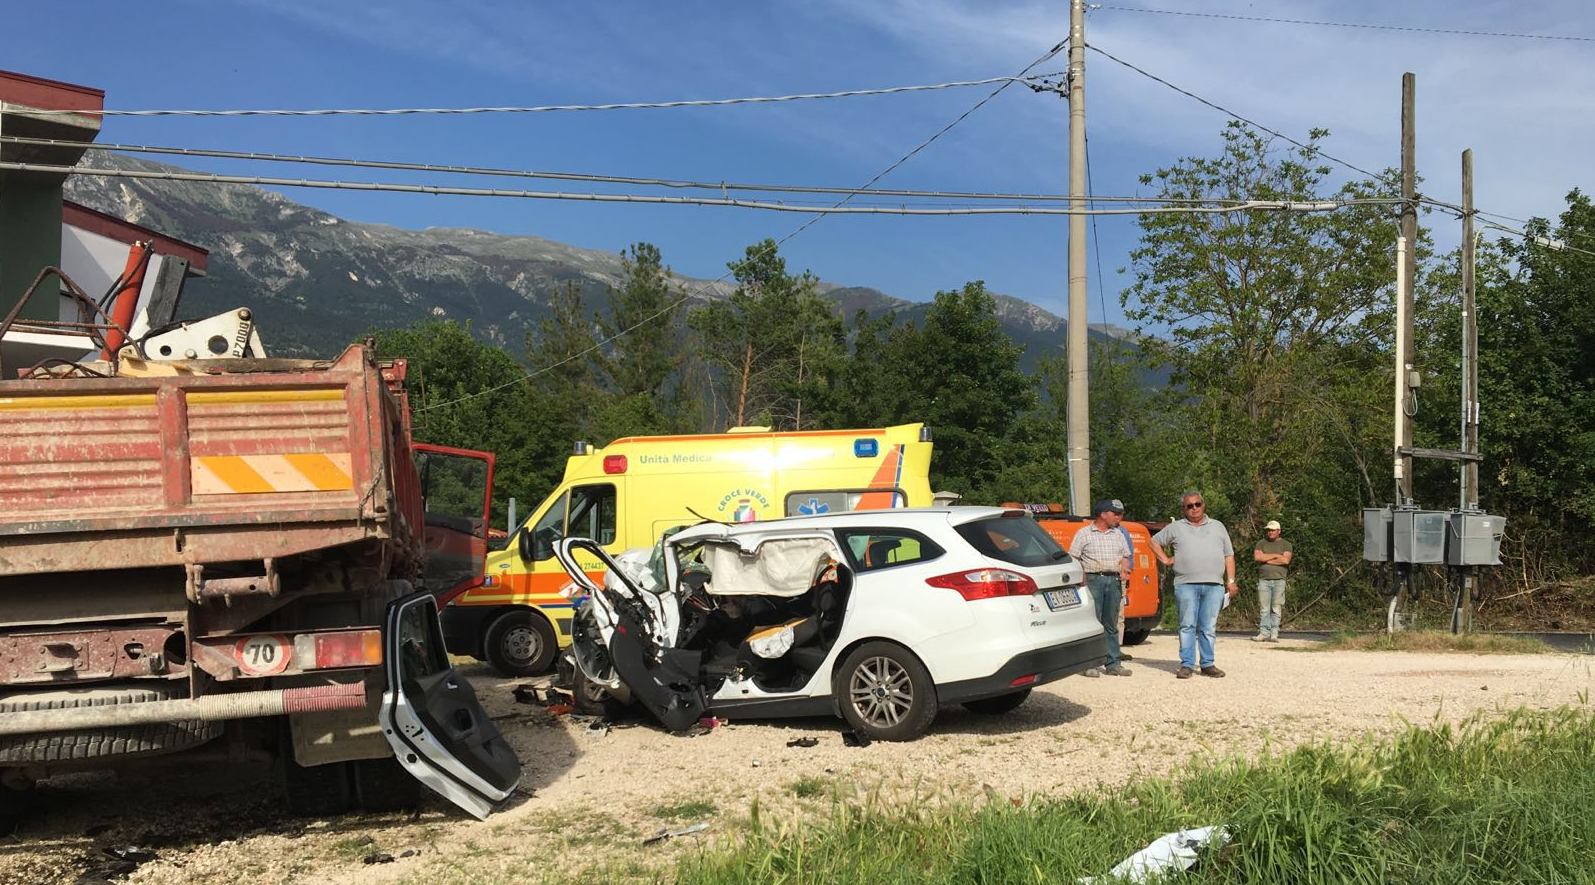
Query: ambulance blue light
[{"x": 866, "y": 448}]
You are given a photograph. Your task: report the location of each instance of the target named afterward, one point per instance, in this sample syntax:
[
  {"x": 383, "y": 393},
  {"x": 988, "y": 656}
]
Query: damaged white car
[{"x": 878, "y": 617}]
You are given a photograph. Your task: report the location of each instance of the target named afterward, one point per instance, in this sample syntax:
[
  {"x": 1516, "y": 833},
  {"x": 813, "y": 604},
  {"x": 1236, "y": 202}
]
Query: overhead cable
[
  {"x": 443, "y": 190},
  {"x": 1037, "y": 83},
  {"x": 674, "y": 183},
  {"x": 1226, "y": 111},
  {"x": 1058, "y": 47},
  {"x": 1329, "y": 24}
]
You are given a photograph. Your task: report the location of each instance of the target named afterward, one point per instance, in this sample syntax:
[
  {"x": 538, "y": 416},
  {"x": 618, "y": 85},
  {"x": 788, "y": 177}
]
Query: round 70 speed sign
[{"x": 264, "y": 655}]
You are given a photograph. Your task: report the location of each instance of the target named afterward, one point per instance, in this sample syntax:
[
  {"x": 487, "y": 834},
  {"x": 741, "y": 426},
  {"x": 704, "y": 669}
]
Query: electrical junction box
[
  {"x": 1376, "y": 526},
  {"x": 1474, "y": 539},
  {"x": 1418, "y": 536}
]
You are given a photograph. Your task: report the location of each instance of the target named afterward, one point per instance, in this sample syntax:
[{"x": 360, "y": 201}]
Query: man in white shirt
[{"x": 1104, "y": 554}]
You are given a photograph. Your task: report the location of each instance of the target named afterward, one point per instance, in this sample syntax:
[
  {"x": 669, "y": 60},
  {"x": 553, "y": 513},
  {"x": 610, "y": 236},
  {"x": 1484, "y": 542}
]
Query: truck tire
[
  {"x": 340, "y": 787},
  {"x": 521, "y": 642},
  {"x": 124, "y": 741},
  {"x": 1136, "y": 637}
]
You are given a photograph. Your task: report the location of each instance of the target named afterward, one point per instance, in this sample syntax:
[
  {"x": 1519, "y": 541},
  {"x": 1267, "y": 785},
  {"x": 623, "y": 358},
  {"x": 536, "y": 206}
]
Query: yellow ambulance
[{"x": 628, "y": 493}]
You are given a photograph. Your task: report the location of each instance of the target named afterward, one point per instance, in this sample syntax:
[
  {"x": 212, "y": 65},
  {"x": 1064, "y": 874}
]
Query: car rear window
[{"x": 1014, "y": 539}]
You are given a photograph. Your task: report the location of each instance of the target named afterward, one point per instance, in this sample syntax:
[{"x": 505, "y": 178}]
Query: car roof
[{"x": 906, "y": 517}]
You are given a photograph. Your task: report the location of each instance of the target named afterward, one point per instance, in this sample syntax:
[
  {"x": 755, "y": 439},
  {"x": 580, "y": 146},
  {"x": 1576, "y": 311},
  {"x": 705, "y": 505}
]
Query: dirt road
[{"x": 595, "y": 794}]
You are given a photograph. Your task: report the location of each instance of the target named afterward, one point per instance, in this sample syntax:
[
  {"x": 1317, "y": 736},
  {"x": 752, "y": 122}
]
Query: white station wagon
[{"x": 878, "y": 617}]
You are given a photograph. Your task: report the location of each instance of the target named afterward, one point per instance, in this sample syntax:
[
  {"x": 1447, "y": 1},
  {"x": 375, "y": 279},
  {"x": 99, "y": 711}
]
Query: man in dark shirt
[{"x": 1273, "y": 554}]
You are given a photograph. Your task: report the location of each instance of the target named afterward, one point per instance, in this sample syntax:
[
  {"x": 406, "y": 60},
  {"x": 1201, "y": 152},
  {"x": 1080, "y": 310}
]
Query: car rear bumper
[{"x": 1047, "y": 664}]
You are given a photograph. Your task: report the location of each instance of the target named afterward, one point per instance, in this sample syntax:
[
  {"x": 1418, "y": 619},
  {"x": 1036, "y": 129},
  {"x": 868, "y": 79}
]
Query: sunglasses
[{"x": 1195, "y": 504}]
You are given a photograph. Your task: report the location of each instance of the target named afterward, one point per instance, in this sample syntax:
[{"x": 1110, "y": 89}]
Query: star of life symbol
[{"x": 814, "y": 507}]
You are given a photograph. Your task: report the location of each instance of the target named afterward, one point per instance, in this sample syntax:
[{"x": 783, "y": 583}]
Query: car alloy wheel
[{"x": 881, "y": 691}]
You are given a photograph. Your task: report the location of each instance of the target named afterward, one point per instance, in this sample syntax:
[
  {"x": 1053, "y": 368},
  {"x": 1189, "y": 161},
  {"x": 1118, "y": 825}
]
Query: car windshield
[{"x": 1013, "y": 539}]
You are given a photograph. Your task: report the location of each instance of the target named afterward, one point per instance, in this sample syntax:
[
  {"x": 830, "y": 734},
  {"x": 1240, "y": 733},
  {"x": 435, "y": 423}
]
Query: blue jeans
[
  {"x": 1270, "y": 604},
  {"x": 1106, "y": 595},
  {"x": 1199, "y": 606}
]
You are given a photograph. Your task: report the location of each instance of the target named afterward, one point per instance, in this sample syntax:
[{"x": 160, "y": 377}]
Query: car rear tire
[
  {"x": 885, "y": 692},
  {"x": 1136, "y": 637},
  {"x": 998, "y": 705},
  {"x": 521, "y": 643}
]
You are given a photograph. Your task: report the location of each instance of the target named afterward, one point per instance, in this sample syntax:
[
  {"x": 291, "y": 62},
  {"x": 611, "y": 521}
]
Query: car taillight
[{"x": 986, "y": 583}]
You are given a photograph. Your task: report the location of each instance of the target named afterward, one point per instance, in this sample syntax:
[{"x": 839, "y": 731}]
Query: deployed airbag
[{"x": 778, "y": 568}]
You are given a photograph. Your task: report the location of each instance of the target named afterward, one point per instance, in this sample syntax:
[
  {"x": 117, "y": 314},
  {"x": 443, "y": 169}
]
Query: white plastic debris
[{"x": 1170, "y": 853}]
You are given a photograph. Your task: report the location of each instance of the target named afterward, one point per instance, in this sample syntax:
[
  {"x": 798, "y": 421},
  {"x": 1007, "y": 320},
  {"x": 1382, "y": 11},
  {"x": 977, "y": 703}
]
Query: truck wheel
[
  {"x": 16, "y": 806},
  {"x": 885, "y": 692},
  {"x": 998, "y": 705},
  {"x": 1136, "y": 637},
  {"x": 384, "y": 785},
  {"x": 340, "y": 787},
  {"x": 521, "y": 643},
  {"x": 100, "y": 743}
]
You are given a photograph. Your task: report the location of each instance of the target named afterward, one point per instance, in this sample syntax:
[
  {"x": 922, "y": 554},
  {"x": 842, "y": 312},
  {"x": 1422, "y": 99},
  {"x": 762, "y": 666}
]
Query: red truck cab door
[{"x": 457, "y": 502}]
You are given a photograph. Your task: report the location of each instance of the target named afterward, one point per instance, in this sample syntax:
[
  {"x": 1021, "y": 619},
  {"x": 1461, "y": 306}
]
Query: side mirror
[{"x": 523, "y": 540}]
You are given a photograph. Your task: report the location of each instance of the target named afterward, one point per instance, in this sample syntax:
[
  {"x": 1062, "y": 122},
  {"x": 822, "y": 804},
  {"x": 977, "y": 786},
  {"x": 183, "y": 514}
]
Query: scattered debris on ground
[{"x": 667, "y": 834}]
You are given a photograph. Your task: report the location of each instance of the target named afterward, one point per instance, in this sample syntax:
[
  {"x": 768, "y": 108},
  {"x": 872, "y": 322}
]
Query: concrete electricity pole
[
  {"x": 1406, "y": 264},
  {"x": 1463, "y": 622},
  {"x": 1078, "y": 403},
  {"x": 1470, "y": 345}
]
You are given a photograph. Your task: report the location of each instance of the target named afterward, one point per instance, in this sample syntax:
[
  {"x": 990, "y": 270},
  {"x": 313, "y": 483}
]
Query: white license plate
[{"x": 1062, "y": 598}]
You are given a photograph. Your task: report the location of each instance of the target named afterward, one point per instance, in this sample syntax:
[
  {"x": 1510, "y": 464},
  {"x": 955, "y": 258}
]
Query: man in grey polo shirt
[{"x": 1204, "y": 578}]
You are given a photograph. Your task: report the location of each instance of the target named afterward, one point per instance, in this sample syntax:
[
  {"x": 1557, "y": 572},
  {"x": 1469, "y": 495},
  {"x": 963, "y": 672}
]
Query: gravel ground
[{"x": 590, "y": 797}]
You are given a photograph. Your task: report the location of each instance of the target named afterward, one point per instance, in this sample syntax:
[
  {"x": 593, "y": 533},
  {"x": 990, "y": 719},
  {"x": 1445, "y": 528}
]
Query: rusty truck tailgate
[{"x": 103, "y": 473}]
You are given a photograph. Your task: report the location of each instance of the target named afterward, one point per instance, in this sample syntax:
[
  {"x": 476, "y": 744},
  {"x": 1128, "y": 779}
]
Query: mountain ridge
[{"x": 317, "y": 281}]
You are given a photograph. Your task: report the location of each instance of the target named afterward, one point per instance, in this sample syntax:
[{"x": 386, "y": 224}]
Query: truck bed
[{"x": 251, "y": 459}]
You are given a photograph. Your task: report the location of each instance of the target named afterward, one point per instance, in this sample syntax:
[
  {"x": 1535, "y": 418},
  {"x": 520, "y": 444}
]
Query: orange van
[{"x": 1145, "y": 608}]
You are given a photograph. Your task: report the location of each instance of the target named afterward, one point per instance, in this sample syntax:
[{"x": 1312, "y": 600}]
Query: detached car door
[{"x": 432, "y": 719}]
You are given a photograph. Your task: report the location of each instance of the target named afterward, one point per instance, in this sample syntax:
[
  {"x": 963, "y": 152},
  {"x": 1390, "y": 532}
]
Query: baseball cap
[
  {"x": 1273, "y": 526},
  {"x": 1113, "y": 504}
]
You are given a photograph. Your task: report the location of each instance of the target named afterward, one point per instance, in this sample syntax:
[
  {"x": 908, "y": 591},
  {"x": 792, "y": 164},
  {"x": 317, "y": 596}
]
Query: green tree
[
  {"x": 959, "y": 372},
  {"x": 774, "y": 346},
  {"x": 1269, "y": 323},
  {"x": 464, "y": 393}
]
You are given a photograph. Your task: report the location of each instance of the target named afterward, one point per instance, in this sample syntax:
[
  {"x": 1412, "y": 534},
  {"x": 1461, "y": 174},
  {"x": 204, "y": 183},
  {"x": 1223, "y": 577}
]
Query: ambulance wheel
[{"x": 521, "y": 642}]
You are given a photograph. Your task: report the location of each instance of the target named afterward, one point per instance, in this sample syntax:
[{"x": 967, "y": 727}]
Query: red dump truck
[{"x": 241, "y": 555}]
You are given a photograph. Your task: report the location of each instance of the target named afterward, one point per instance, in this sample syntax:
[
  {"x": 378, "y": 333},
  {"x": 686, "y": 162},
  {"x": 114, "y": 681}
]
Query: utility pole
[
  {"x": 1470, "y": 387},
  {"x": 1406, "y": 262},
  {"x": 1078, "y": 404},
  {"x": 1470, "y": 345}
]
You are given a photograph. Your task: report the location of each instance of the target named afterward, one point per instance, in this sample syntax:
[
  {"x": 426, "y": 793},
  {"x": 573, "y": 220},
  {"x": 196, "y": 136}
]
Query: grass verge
[
  {"x": 1433, "y": 641},
  {"x": 1495, "y": 799}
]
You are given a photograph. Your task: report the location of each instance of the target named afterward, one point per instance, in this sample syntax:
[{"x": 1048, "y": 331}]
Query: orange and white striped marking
[{"x": 260, "y": 474}]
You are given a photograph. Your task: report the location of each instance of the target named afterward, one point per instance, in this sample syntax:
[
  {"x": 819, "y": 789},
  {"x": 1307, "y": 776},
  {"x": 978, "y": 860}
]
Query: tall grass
[{"x": 1504, "y": 799}]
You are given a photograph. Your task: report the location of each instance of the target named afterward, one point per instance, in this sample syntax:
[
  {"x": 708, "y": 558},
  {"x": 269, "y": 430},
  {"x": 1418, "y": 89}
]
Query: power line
[
  {"x": 1329, "y": 24},
  {"x": 794, "y": 232},
  {"x": 819, "y": 210},
  {"x": 1226, "y": 111},
  {"x": 841, "y": 204},
  {"x": 1096, "y": 239},
  {"x": 542, "y": 109},
  {"x": 493, "y": 171}
]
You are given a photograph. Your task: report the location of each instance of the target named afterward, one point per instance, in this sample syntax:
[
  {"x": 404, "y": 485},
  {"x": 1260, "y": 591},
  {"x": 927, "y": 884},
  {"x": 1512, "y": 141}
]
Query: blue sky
[{"x": 1526, "y": 107}]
